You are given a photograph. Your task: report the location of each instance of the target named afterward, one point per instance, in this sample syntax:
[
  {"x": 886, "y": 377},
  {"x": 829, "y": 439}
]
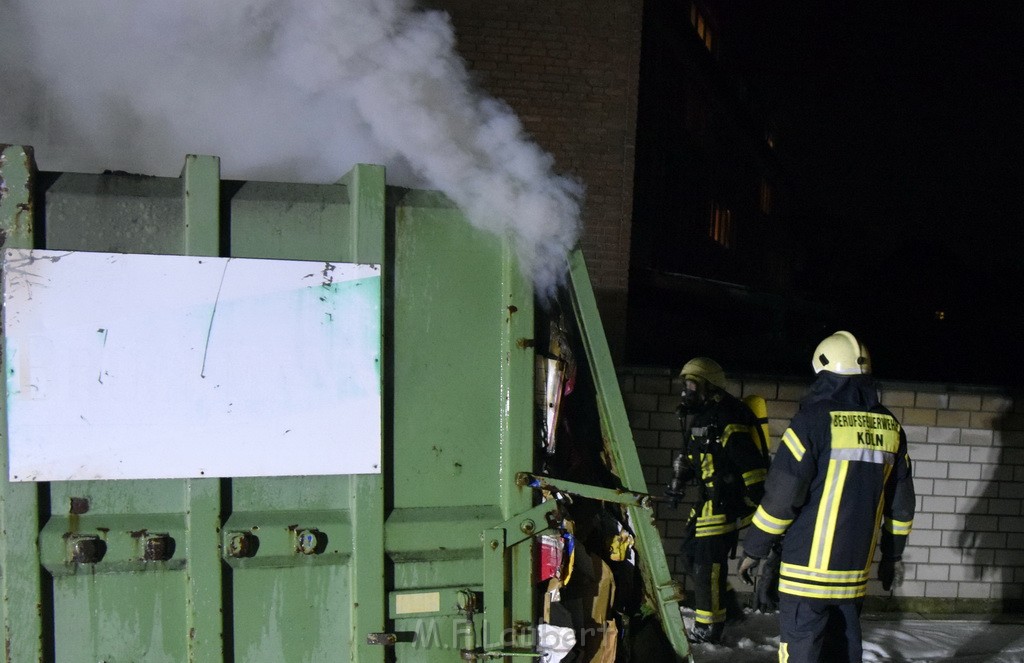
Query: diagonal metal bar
[{"x": 658, "y": 583}]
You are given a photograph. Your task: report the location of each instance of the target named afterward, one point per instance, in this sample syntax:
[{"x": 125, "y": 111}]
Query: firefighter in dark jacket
[
  {"x": 724, "y": 452},
  {"x": 841, "y": 470}
]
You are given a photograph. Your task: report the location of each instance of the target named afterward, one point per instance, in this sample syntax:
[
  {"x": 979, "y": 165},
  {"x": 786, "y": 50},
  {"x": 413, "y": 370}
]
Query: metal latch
[
  {"x": 390, "y": 639},
  {"x": 614, "y": 495},
  {"x": 385, "y": 639}
]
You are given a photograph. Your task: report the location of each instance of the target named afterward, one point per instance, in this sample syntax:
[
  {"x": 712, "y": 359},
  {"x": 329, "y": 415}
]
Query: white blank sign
[{"x": 127, "y": 366}]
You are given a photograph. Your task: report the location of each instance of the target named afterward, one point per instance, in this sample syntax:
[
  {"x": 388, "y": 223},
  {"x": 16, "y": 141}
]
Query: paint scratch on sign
[{"x": 213, "y": 314}]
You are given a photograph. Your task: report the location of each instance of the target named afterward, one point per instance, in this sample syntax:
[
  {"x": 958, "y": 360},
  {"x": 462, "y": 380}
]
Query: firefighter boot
[
  {"x": 709, "y": 633},
  {"x": 733, "y": 610}
]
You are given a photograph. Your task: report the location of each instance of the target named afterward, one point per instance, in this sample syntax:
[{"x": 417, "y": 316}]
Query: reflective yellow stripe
[
  {"x": 754, "y": 476},
  {"x": 716, "y": 600},
  {"x": 733, "y": 428},
  {"x": 765, "y": 521},
  {"x": 707, "y": 467},
  {"x": 833, "y": 515},
  {"x": 783, "y": 652},
  {"x": 703, "y": 616},
  {"x": 822, "y": 591},
  {"x": 899, "y": 527},
  {"x": 793, "y": 443},
  {"x": 714, "y": 524},
  {"x": 714, "y": 530},
  {"x": 823, "y": 575},
  {"x": 828, "y": 514},
  {"x": 878, "y": 515}
]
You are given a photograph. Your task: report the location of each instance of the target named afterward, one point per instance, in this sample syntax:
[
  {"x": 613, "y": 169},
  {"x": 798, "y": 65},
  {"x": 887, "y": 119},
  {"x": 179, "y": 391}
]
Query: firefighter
[
  {"x": 722, "y": 451},
  {"x": 841, "y": 469}
]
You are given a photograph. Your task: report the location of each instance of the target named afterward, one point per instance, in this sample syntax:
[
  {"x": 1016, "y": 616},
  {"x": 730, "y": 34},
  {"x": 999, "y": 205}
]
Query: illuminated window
[
  {"x": 940, "y": 315},
  {"x": 721, "y": 226},
  {"x": 701, "y": 25},
  {"x": 766, "y": 197}
]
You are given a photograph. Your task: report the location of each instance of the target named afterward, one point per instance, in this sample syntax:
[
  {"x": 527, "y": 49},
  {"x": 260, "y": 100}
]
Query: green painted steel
[
  {"x": 662, "y": 591},
  {"x": 201, "y": 604},
  {"x": 20, "y": 575},
  {"x": 429, "y": 559},
  {"x": 462, "y": 382}
]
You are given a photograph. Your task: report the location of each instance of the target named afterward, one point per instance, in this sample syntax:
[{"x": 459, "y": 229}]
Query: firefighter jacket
[
  {"x": 725, "y": 453},
  {"x": 841, "y": 471}
]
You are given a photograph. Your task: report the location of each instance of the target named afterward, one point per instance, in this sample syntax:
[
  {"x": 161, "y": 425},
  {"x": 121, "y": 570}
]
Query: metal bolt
[
  {"x": 494, "y": 544},
  {"x": 242, "y": 544},
  {"x": 310, "y": 541},
  {"x": 87, "y": 549},
  {"x": 527, "y": 526},
  {"x": 79, "y": 505},
  {"x": 158, "y": 548}
]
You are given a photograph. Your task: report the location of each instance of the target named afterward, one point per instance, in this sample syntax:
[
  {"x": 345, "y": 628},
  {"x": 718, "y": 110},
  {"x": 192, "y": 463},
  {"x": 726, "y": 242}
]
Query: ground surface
[{"x": 910, "y": 638}]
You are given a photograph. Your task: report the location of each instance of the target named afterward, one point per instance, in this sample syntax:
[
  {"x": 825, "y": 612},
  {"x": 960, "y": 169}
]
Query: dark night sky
[{"x": 904, "y": 121}]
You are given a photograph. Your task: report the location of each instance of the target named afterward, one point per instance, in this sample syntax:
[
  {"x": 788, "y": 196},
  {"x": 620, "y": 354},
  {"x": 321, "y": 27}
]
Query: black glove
[
  {"x": 766, "y": 589},
  {"x": 674, "y": 494},
  {"x": 747, "y": 566},
  {"x": 890, "y": 572}
]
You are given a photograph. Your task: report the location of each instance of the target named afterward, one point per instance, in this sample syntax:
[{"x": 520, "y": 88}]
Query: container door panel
[
  {"x": 158, "y": 569},
  {"x": 462, "y": 424}
]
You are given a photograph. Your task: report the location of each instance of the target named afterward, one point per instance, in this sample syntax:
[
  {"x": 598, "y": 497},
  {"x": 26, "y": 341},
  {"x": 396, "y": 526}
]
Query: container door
[{"x": 260, "y": 568}]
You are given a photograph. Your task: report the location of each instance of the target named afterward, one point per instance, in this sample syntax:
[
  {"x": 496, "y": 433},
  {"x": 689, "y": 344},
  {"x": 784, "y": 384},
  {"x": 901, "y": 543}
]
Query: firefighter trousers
[
  {"x": 707, "y": 561},
  {"x": 818, "y": 632}
]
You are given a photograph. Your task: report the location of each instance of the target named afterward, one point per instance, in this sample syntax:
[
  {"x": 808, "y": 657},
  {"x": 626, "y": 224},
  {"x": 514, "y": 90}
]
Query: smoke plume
[{"x": 282, "y": 90}]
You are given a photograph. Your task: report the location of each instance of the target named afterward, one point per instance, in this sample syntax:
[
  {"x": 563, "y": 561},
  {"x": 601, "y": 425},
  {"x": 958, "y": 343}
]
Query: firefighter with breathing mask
[
  {"x": 723, "y": 450},
  {"x": 841, "y": 470}
]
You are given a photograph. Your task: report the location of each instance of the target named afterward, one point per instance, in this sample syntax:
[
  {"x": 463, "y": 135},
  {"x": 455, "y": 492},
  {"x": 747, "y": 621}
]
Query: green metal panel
[
  {"x": 20, "y": 576},
  {"x": 661, "y": 590},
  {"x": 201, "y": 604},
  {"x": 432, "y": 556},
  {"x": 284, "y": 607},
  {"x": 200, "y": 181},
  {"x": 115, "y": 213},
  {"x": 462, "y": 419}
]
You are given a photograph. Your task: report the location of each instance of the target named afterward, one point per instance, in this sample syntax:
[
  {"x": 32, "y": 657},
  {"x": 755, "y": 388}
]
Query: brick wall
[
  {"x": 569, "y": 70},
  {"x": 966, "y": 551}
]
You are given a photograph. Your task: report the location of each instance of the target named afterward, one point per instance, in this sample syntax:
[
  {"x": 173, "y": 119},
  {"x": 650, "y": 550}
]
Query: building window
[
  {"x": 721, "y": 225},
  {"x": 766, "y": 197},
  {"x": 702, "y": 26}
]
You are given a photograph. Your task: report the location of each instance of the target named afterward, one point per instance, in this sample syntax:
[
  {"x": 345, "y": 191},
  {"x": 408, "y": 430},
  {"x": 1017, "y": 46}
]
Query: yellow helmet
[
  {"x": 704, "y": 369},
  {"x": 843, "y": 354}
]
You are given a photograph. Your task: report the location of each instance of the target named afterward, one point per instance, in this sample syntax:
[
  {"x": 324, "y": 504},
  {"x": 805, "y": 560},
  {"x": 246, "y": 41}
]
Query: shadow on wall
[{"x": 992, "y": 541}]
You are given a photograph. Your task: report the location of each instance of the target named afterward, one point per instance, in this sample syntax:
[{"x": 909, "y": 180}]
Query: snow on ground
[{"x": 887, "y": 639}]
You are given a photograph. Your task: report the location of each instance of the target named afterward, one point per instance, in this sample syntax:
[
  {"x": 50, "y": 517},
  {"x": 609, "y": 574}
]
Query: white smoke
[{"x": 283, "y": 90}]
